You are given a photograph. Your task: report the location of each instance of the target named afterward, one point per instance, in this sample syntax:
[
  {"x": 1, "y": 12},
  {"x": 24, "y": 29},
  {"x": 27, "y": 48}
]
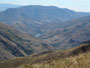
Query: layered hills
[
  {"x": 53, "y": 59},
  {"x": 75, "y": 32},
  {"x": 14, "y": 43},
  {"x": 58, "y": 28},
  {"x": 37, "y": 20}
]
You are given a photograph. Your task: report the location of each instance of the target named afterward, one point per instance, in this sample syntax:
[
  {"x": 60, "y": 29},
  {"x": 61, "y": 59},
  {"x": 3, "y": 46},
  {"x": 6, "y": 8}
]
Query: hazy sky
[{"x": 78, "y": 5}]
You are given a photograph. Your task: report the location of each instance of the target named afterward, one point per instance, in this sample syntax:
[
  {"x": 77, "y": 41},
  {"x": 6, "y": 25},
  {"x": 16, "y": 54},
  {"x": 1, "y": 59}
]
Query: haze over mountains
[
  {"x": 3, "y": 7},
  {"x": 37, "y": 20}
]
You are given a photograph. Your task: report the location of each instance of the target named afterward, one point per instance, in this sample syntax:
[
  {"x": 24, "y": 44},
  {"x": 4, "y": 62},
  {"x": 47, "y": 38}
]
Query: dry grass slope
[
  {"x": 81, "y": 61},
  {"x": 77, "y": 57}
]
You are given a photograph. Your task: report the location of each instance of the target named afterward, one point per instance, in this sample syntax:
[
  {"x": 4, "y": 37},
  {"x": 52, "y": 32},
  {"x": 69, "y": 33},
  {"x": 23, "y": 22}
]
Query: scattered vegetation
[
  {"x": 78, "y": 57},
  {"x": 80, "y": 61}
]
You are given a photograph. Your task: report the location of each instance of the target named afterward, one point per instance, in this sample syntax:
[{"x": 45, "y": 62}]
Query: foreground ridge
[{"x": 77, "y": 57}]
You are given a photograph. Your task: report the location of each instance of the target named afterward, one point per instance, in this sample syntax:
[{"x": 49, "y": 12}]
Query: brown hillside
[
  {"x": 14, "y": 43},
  {"x": 48, "y": 57}
]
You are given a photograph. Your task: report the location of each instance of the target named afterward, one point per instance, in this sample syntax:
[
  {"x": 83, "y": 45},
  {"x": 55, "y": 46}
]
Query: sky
[{"x": 77, "y": 5}]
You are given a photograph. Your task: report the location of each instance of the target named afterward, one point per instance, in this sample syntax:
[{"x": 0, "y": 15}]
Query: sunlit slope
[{"x": 77, "y": 57}]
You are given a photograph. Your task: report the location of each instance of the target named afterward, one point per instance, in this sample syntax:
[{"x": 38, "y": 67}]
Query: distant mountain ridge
[
  {"x": 3, "y": 7},
  {"x": 67, "y": 28},
  {"x": 36, "y": 19}
]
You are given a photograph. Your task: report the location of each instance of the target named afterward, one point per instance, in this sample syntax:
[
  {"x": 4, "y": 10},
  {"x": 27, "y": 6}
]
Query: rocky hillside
[
  {"x": 14, "y": 43},
  {"x": 76, "y": 32}
]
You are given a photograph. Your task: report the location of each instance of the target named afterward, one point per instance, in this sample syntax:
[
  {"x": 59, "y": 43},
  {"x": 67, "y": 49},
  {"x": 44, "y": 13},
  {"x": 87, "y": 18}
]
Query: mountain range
[
  {"x": 37, "y": 20},
  {"x": 33, "y": 29}
]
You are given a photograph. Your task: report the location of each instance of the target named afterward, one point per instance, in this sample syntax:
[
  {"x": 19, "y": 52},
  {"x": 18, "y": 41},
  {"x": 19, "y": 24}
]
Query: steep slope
[
  {"x": 14, "y": 43},
  {"x": 78, "y": 30},
  {"x": 3, "y": 7},
  {"x": 37, "y": 20},
  {"x": 52, "y": 59}
]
